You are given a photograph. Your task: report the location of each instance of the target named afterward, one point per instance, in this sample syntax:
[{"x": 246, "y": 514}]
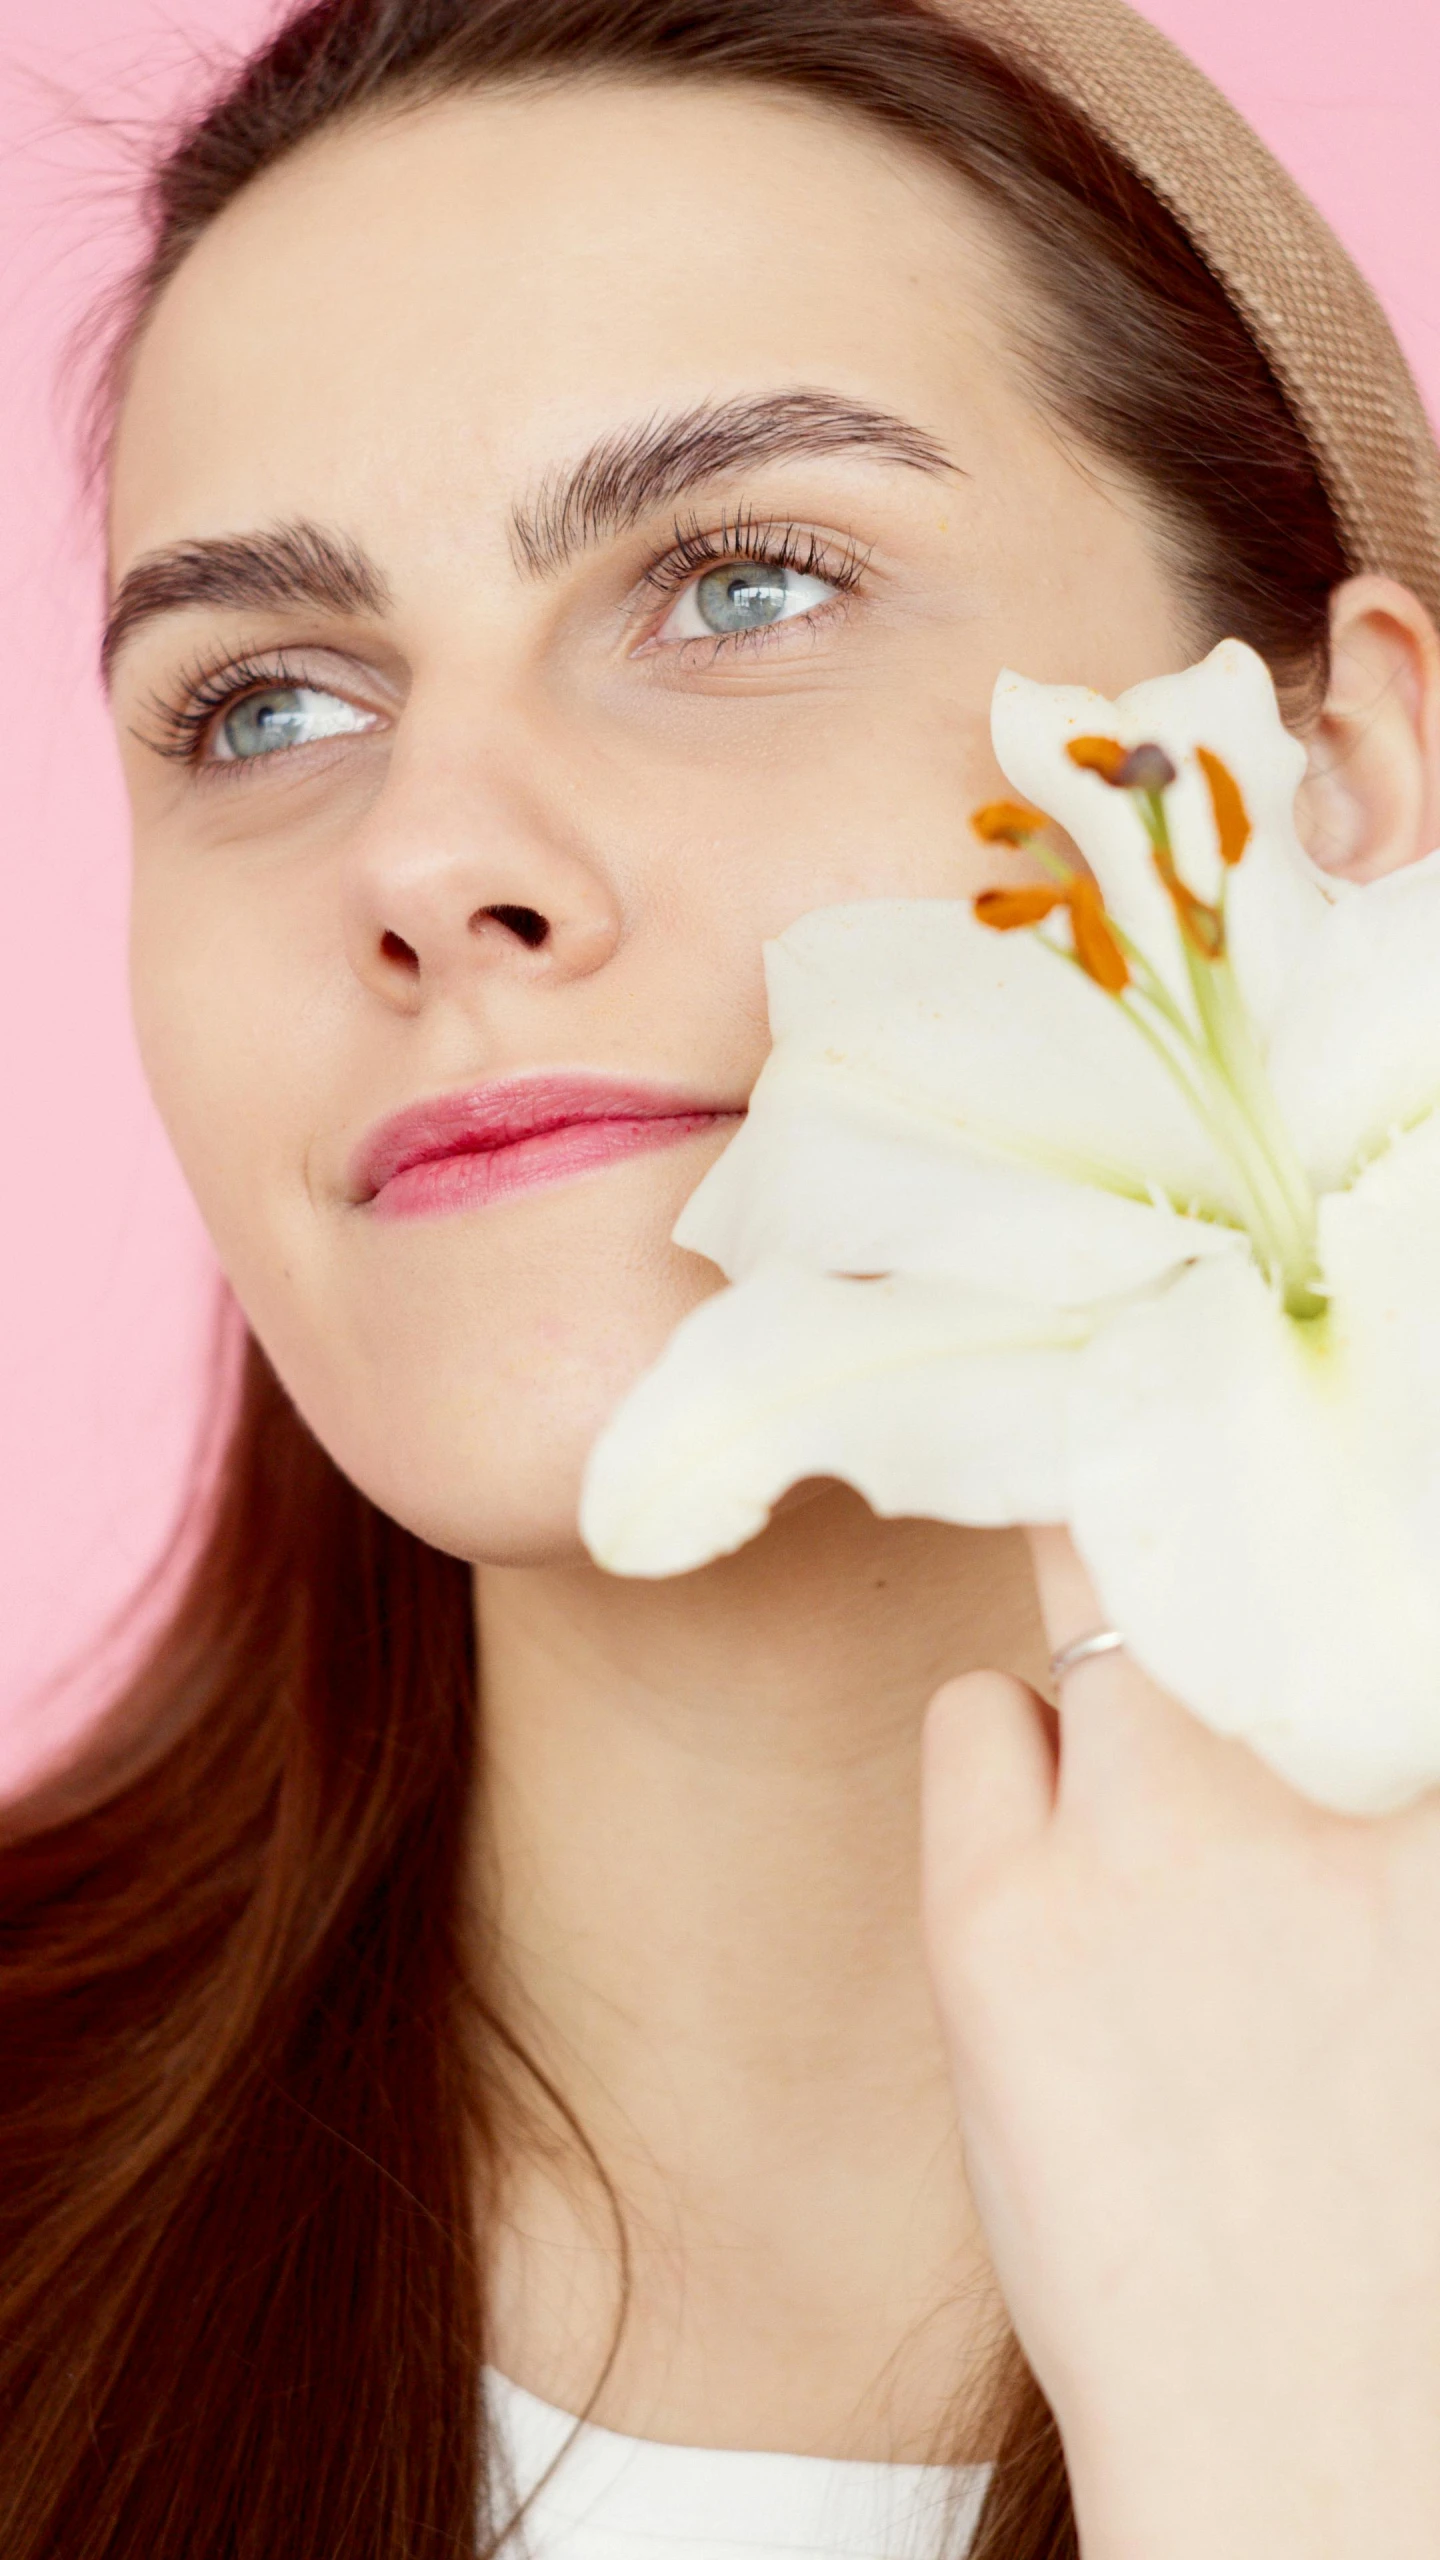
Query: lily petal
[
  {"x": 1355, "y": 1054},
  {"x": 992, "y": 1038},
  {"x": 824, "y": 1172},
  {"x": 927, "y": 1402},
  {"x": 1259, "y": 1501}
]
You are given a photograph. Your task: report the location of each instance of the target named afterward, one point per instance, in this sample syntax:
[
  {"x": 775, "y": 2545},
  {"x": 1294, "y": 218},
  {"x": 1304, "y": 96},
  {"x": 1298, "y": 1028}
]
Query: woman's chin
[
  {"x": 483, "y": 1456},
  {"x": 479, "y": 1502}
]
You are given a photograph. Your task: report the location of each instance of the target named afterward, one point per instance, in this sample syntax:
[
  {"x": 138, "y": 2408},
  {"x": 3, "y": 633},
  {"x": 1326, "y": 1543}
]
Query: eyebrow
[
  {"x": 624, "y": 475},
  {"x": 299, "y": 563},
  {"x": 610, "y": 489}
]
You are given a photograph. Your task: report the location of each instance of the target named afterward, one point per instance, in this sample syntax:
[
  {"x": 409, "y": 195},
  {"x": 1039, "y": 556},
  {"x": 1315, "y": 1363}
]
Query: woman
[{"x": 573, "y": 469}]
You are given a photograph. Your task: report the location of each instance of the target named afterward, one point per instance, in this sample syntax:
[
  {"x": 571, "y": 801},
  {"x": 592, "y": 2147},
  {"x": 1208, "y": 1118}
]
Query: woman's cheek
[{"x": 220, "y": 1032}]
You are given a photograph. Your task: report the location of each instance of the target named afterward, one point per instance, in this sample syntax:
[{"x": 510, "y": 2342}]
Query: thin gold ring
[{"x": 1084, "y": 1649}]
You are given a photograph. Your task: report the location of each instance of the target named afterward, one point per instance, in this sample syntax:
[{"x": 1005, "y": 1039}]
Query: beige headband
[{"x": 1312, "y": 312}]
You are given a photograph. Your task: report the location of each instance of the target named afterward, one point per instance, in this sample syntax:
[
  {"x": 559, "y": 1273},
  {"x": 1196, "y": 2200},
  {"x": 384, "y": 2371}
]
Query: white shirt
[{"x": 618, "y": 2497}]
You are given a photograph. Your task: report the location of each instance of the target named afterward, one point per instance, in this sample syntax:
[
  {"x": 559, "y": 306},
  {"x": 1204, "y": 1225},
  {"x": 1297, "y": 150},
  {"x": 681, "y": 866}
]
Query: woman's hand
[{"x": 1196, "y": 2032}]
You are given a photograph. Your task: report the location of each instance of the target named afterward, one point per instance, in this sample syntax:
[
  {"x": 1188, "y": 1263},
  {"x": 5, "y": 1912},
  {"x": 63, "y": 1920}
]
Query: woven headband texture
[{"x": 1327, "y": 339}]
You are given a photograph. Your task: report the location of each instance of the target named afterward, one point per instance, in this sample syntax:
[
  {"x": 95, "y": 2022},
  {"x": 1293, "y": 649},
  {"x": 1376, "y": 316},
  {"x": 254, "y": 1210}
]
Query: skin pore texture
[{"x": 700, "y": 1862}]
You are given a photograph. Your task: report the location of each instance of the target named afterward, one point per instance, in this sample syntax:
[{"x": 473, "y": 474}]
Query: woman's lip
[
  {"x": 474, "y": 1175},
  {"x": 460, "y": 1149}
]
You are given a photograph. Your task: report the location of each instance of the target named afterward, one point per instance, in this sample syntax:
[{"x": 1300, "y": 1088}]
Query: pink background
[{"x": 105, "y": 1283}]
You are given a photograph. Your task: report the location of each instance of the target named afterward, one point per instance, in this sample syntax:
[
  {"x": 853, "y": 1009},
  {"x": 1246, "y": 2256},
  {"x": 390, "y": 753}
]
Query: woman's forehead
[{"x": 476, "y": 290}]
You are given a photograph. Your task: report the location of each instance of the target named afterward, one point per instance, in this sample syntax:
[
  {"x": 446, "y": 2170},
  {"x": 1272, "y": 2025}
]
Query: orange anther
[
  {"x": 1007, "y": 822},
  {"x": 1096, "y": 947},
  {"x": 1232, "y": 818},
  {"x": 1104, "y": 756},
  {"x": 1006, "y": 910},
  {"x": 1203, "y": 926}
]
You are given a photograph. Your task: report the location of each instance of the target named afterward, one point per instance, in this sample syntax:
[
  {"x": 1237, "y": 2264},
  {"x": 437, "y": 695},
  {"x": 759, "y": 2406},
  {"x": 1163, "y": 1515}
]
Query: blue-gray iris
[
  {"x": 741, "y": 599},
  {"x": 267, "y": 720}
]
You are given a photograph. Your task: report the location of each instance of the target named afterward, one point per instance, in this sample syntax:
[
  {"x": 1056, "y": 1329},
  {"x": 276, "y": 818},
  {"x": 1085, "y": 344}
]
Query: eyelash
[
  {"x": 696, "y": 548},
  {"x": 182, "y": 721},
  {"x": 204, "y": 691}
]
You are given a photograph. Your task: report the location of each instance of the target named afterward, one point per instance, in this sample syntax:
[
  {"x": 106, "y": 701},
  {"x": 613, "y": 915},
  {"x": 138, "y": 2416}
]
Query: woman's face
[{"x": 667, "y": 503}]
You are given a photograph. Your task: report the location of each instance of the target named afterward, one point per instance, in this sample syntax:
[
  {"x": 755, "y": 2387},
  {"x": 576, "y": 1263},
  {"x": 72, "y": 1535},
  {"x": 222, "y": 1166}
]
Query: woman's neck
[{"x": 700, "y": 1871}]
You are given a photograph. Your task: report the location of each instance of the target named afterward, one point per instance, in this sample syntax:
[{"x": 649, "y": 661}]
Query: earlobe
[{"x": 1371, "y": 799}]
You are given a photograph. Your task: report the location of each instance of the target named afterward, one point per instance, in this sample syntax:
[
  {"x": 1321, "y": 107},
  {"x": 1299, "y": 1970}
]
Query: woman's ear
[{"x": 1371, "y": 798}]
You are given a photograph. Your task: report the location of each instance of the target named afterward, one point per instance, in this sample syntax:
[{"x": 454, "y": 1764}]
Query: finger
[
  {"x": 988, "y": 1786},
  {"x": 1120, "y": 1732}
]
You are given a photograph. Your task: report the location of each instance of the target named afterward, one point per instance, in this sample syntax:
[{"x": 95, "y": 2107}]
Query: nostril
[
  {"x": 400, "y": 952},
  {"x": 523, "y": 922}
]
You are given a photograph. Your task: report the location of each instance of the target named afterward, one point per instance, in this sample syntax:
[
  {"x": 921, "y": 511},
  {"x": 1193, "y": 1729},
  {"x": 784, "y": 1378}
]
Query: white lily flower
[{"x": 1117, "y": 1203}]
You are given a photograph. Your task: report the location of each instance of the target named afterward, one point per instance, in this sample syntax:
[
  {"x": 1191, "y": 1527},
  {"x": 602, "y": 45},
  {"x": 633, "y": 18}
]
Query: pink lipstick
[{"x": 463, "y": 1150}]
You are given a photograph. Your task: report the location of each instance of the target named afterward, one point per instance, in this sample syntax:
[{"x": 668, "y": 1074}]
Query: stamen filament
[{"x": 1258, "y": 1143}]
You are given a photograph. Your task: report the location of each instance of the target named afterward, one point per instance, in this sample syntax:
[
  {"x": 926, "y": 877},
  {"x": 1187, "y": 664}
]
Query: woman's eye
[
  {"x": 288, "y": 715},
  {"x": 743, "y": 595}
]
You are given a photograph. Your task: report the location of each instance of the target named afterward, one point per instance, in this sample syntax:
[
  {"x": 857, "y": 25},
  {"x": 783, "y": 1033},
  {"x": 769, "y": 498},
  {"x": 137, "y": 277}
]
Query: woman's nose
[{"x": 442, "y": 895}]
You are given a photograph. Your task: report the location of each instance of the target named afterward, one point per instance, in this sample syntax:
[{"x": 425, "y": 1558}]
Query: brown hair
[{"x": 241, "y": 2296}]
